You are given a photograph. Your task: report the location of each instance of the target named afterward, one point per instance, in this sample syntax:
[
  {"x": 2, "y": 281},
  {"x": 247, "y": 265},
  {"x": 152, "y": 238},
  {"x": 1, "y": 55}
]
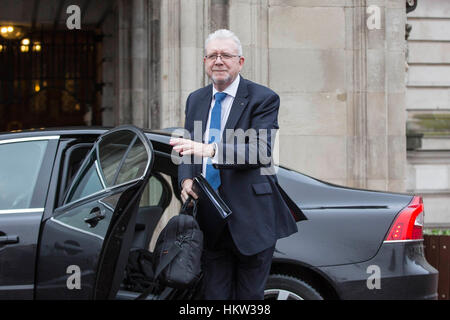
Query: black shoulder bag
[{"x": 178, "y": 251}]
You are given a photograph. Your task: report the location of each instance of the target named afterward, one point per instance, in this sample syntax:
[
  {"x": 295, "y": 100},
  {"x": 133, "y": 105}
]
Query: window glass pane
[
  {"x": 152, "y": 194},
  {"x": 111, "y": 150},
  {"x": 88, "y": 183},
  {"x": 135, "y": 163},
  {"x": 19, "y": 169},
  {"x": 121, "y": 151}
]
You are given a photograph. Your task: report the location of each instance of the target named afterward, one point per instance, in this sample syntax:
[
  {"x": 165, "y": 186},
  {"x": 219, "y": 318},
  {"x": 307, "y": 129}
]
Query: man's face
[{"x": 223, "y": 71}]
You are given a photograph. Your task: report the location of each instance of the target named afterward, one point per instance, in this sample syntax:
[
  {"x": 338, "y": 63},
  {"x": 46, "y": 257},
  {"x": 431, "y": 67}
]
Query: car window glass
[
  {"x": 112, "y": 149},
  {"x": 90, "y": 181},
  {"x": 123, "y": 158},
  {"x": 152, "y": 194},
  {"x": 19, "y": 169},
  {"x": 134, "y": 164}
]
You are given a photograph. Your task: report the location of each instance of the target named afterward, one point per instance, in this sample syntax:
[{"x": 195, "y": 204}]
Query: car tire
[{"x": 284, "y": 287}]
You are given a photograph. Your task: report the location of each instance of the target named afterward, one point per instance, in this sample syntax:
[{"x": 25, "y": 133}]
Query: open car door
[{"x": 84, "y": 246}]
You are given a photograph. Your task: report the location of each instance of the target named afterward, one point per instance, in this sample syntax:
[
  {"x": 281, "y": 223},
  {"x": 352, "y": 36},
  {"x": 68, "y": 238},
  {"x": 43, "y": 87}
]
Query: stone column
[
  {"x": 356, "y": 83},
  {"x": 195, "y": 22},
  {"x": 139, "y": 63},
  {"x": 170, "y": 63},
  {"x": 184, "y": 28},
  {"x": 376, "y": 123},
  {"x": 109, "y": 65},
  {"x": 249, "y": 20},
  {"x": 123, "y": 75},
  {"x": 133, "y": 76},
  {"x": 154, "y": 61},
  {"x": 219, "y": 13}
]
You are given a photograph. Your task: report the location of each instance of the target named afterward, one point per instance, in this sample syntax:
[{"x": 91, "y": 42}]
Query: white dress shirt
[{"x": 231, "y": 91}]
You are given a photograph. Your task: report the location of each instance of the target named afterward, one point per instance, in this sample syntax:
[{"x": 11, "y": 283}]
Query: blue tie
[{"x": 212, "y": 174}]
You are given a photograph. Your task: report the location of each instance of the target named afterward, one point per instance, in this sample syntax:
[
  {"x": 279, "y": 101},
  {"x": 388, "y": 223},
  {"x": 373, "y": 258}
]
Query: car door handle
[
  {"x": 70, "y": 248},
  {"x": 9, "y": 239},
  {"x": 97, "y": 215}
]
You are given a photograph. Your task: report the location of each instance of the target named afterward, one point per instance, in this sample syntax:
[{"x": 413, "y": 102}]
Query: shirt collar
[{"x": 231, "y": 90}]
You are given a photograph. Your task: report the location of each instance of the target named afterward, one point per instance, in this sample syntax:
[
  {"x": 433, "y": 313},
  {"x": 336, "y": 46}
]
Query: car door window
[
  {"x": 20, "y": 163},
  {"x": 152, "y": 194},
  {"x": 89, "y": 182},
  {"x": 120, "y": 158},
  {"x": 134, "y": 165},
  {"x": 111, "y": 154}
]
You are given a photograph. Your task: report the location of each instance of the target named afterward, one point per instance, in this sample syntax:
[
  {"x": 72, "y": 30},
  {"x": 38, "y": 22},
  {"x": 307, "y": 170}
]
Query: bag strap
[
  {"x": 185, "y": 207},
  {"x": 173, "y": 251},
  {"x": 194, "y": 209},
  {"x": 185, "y": 204}
]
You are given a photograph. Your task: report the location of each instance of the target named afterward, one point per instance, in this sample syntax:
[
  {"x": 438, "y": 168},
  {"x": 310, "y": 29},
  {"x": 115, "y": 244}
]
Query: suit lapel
[
  {"x": 238, "y": 106},
  {"x": 203, "y": 109}
]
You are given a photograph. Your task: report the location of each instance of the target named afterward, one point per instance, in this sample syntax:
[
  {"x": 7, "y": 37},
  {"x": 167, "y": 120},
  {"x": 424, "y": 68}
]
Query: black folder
[{"x": 212, "y": 211}]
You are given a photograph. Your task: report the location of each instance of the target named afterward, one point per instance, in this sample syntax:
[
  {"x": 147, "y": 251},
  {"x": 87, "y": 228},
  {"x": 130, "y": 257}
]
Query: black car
[{"x": 77, "y": 200}]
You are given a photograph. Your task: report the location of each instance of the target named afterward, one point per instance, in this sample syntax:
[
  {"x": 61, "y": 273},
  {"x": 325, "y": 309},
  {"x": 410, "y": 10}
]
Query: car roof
[{"x": 75, "y": 131}]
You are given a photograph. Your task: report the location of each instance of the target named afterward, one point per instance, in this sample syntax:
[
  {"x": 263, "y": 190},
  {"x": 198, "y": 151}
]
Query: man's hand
[
  {"x": 187, "y": 190},
  {"x": 187, "y": 147}
]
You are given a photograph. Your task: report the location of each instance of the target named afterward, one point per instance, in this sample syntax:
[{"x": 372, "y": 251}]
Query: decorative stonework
[{"x": 358, "y": 139}]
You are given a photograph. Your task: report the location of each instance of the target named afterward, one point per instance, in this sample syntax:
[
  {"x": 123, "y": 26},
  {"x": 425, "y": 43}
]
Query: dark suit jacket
[{"x": 260, "y": 213}]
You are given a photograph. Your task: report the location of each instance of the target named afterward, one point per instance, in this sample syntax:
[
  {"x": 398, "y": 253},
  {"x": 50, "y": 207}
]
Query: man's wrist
[{"x": 213, "y": 148}]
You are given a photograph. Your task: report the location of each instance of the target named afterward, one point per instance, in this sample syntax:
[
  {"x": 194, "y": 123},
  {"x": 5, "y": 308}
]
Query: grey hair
[{"x": 224, "y": 34}]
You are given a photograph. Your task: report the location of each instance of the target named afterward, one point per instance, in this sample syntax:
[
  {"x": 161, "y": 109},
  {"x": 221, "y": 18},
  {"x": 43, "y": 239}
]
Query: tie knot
[{"x": 220, "y": 96}]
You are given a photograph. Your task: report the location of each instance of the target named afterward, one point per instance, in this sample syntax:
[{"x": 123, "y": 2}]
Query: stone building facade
[{"x": 338, "y": 66}]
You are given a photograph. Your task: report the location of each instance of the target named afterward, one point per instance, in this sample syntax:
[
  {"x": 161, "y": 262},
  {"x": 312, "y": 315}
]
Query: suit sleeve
[
  {"x": 252, "y": 148},
  {"x": 185, "y": 169}
]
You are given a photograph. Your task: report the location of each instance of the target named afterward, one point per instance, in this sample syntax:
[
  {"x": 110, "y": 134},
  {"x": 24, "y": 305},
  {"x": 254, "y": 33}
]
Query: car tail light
[{"x": 409, "y": 223}]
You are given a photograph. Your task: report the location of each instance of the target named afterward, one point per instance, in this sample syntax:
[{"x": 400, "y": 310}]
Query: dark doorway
[{"x": 50, "y": 79}]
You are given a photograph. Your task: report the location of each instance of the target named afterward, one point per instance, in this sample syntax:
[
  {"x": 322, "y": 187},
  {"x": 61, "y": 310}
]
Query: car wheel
[{"x": 283, "y": 287}]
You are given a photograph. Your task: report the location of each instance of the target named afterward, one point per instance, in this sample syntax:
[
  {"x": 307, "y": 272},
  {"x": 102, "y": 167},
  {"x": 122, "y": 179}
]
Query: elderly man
[{"x": 238, "y": 265}]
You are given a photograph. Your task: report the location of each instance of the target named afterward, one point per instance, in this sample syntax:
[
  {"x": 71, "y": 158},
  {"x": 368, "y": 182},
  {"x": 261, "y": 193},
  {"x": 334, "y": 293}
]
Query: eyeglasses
[{"x": 224, "y": 57}]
